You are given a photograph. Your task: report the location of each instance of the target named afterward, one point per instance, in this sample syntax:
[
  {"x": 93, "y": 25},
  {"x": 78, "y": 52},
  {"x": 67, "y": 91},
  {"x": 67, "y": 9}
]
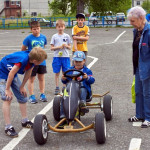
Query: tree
[
  {"x": 110, "y": 5},
  {"x": 59, "y": 7},
  {"x": 146, "y": 6}
]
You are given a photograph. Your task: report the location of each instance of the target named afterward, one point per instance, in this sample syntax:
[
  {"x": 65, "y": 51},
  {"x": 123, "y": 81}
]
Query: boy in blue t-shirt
[
  {"x": 36, "y": 40},
  {"x": 17, "y": 63},
  {"x": 60, "y": 44}
]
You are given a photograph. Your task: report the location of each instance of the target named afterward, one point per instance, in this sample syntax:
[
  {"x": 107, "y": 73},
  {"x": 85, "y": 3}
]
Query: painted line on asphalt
[
  {"x": 114, "y": 40},
  {"x": 119, "y": 36},
  {"x": 4, "y": 32},
  {"x": 14, "y": 142},
  {"x": 136, "y": 124},
  {"x": 135, "y": 144}
]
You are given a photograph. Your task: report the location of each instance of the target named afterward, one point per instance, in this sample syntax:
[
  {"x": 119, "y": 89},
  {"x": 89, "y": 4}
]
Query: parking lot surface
[{"x": 112, "y": 71}]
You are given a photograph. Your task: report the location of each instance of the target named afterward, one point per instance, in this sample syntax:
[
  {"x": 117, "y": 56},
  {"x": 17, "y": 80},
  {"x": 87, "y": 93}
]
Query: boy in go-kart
[{"x": 85, "y": 85}]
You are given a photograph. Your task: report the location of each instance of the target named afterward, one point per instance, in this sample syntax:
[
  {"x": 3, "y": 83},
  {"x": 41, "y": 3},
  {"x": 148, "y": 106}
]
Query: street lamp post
[{"x": 29, "y": 7}]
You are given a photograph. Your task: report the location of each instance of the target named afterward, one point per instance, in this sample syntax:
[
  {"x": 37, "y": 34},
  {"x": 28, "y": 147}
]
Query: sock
[
  {"x": 7, "y": 126},
  {"x": 24, "y": 120}
]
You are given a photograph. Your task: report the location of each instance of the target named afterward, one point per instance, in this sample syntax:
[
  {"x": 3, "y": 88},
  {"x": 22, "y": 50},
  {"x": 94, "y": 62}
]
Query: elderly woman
[{"x": 141, "y": 64}]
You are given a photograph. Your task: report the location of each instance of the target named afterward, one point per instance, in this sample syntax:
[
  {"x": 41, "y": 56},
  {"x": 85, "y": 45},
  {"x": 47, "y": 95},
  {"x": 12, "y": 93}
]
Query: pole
[
  {"x": 132, "y": 3},
  {"x": 29, "y": 7}
]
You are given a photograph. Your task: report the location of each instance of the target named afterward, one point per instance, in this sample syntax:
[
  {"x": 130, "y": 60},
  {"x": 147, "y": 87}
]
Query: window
[
  {"x": 12, "y": 2},
  {"x": 138, "y": 2},
  {"x": 18, "y": 3}
]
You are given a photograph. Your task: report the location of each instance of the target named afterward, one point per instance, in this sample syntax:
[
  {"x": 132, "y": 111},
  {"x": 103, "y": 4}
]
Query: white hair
[{"x": 136, "y": 12}]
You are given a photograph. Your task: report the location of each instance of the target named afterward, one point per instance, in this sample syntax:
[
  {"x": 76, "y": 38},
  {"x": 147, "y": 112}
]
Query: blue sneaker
[
  {"x": 32, "y": 99},
  {"x": 43, "y": 98}
]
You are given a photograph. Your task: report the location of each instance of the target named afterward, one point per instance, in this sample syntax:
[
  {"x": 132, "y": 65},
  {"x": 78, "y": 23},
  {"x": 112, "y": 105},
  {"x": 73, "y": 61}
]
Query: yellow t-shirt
[{"x": 82, "y": 32}]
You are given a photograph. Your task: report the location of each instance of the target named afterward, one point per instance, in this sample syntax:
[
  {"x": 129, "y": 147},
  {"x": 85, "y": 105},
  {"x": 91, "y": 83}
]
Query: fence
[{"x": 6, "y": 23}]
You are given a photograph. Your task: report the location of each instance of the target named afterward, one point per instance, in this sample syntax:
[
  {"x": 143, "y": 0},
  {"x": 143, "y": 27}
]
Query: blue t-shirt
[
  {"x": 32, "y": 41},
  {"x": 8, "y": 62}
]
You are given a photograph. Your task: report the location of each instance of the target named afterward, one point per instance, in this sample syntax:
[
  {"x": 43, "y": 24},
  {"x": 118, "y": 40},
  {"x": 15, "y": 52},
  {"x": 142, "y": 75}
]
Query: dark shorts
[{"x": 40, "y": 69}]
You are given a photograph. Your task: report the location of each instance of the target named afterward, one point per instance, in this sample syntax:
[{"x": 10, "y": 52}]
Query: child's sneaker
[
  {"x": 11, "y": 132},
  {"x": 145, "y": 124},
  {"x": 32, "y": 99},
  {"x": 43, "y": 98},
  {"x": 27, "y": 124},
  {"x": 57, "y": 91},
  {"x": 83, "y": 108}
]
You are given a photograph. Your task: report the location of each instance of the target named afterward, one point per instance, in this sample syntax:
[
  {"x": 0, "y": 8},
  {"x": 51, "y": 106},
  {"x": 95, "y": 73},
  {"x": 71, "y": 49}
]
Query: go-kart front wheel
[
  {"x": 40, "y": 128},
  {"x": 100, "y": 128},
  {"x": 56, "y": 107},
  {"x": 107, "y": 107}
]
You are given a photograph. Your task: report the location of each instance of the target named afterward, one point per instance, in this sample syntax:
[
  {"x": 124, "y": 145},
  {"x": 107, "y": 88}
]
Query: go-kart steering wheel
[{"x": 72, "y": 76}]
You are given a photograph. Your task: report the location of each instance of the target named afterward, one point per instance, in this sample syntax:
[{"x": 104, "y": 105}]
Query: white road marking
[
  {"x": 114, "y": 40},
  {"x": 137, "y": 124},
  {"x": 4, "y": 32},
  {"x": 119, "y": 36},
  {"x": 135, "y": 144},
  {"x": 12, "y": 144}
]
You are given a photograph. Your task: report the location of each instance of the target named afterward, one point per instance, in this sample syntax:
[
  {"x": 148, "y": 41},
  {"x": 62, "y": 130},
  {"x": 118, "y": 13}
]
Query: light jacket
[
  {"x": 86, "y": 82},
  {"x": 144, "y": 52}
]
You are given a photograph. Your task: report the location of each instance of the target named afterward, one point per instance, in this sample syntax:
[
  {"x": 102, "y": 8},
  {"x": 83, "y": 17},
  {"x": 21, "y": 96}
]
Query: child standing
[
  {"x": 60, "y": 44},
  {"x": 80, "y": 35},
  {"x": 36, "y": 39},
  {"x": 11, "y": 65}
]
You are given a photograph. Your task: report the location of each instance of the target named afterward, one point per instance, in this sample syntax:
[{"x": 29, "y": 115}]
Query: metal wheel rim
[{"x": 44, "y": 128}]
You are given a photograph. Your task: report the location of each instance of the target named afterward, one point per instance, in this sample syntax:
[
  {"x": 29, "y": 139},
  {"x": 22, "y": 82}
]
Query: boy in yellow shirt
[{"x": 80, "y": 34}]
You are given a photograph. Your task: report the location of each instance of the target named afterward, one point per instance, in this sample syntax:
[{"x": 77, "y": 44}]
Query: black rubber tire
[
  {"x": 56, "y": 107},
  {"x": 40, "y": 128},
  {"x": 100, "y": 128},
  {"x": 107, "y": 107}
]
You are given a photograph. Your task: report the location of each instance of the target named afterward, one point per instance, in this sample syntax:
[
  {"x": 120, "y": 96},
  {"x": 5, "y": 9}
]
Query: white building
[
  {"x": 35, "y": 7},
  {"x": 137, "y": 2}
]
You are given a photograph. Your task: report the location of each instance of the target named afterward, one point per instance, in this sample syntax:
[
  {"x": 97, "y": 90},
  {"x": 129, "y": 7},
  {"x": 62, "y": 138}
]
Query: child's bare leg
[
  {"x": 57, "y": 90},
  {"x": 31, "y": 85},
  {"x": 23, "y": 110},
  {"x": 41, "y": 82},
  {"x": 57, "y": 79},
  {"x": 6, "y": 111}
]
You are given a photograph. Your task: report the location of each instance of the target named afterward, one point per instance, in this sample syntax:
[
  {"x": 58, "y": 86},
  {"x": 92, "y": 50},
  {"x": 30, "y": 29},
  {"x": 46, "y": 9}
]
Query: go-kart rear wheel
[
  {"x": 107, "y": 107},
  {"x": 100, "y": 128},
  {"x": 56, "y": 107},
  {"x": 40, "y": 128}
]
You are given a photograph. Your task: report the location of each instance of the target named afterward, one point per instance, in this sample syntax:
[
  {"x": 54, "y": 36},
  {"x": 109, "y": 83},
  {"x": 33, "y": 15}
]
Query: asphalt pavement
[{"x": 112, "y": 72}]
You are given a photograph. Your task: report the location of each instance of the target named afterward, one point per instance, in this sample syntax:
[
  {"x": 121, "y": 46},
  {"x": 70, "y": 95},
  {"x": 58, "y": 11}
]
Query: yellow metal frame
[{"x": 70, "y": 127}]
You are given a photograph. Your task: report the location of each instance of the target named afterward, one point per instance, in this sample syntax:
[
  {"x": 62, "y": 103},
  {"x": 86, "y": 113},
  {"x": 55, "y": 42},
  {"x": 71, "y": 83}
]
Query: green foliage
[
  {"x": 146, "y": 6},
  {"x": 109, "y": 5},
  {"x": 59, "y": 7},
  {"x": 70, "y": 7}
]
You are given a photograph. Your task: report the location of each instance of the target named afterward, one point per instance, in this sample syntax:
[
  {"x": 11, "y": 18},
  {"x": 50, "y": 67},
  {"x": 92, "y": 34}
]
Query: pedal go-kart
[{"x": 70, "y": 98}]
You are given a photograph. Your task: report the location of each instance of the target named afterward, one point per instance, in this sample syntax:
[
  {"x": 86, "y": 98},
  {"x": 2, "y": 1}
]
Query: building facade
[
  {"x": 35, "y": 7},
  {"x": 137, "y": 2},
  {"x": 10, "y": 8}
]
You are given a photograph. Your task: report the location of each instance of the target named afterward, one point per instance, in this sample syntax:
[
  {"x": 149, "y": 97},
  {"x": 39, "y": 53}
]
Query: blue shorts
[
  {"x": 60, "y": 62},
  {"x": 15, "y": 86}
]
